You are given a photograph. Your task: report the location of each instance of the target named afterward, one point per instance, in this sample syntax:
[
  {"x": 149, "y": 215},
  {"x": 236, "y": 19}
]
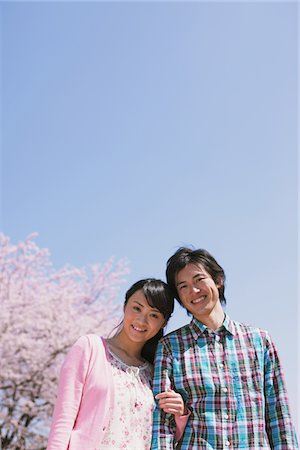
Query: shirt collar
[
  {"x": 197, "y": 328},
  {"x": 229, "y": 326}
]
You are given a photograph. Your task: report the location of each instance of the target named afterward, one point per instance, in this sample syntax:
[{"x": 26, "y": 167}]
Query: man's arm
[
  {"x": 164, "y": 428},
  {"x": 279, "y": 426},
  {"x": 173, "y": 403}
]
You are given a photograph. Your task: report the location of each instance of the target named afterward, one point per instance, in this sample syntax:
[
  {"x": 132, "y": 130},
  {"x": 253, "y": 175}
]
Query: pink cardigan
[{"x": 85, "y": 394}]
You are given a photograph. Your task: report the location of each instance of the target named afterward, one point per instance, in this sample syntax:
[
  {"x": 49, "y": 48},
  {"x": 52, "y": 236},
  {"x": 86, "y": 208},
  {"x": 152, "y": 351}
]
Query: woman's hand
[{"x": 171, "y": 402}]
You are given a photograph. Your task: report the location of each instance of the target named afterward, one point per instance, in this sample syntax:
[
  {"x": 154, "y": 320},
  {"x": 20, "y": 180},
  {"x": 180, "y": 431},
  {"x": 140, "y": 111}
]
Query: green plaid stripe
[{"x": 233, "y": 385}]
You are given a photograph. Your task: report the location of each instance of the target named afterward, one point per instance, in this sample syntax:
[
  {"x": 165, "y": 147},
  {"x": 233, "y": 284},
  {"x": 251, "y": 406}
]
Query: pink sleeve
[
  {"x": 181, "y": 422},
  {"x": 71, "y": 381}
]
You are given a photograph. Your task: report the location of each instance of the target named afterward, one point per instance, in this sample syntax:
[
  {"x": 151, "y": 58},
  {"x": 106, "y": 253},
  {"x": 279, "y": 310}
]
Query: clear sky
[{"x": 130, "y": 129}]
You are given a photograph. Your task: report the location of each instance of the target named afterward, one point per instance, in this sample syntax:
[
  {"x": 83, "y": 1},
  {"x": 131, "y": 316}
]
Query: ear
[{"x": 219, "y": 282}]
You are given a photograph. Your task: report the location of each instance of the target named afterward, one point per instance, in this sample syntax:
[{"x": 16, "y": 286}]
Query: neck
[
  {"x": 215, "y": 319},
  {"x": 131, "y": 349}
]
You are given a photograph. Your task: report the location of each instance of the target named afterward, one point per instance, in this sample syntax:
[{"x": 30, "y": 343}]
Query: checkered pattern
[{"x": 232, "y": 383}]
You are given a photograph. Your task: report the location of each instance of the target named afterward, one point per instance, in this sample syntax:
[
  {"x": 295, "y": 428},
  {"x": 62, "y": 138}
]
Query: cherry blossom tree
[{"x": 43, "y": 312}]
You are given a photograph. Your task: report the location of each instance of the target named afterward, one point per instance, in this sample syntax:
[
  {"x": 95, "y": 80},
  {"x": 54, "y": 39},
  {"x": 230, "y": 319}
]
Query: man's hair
[{"x": 200, "y": 257}]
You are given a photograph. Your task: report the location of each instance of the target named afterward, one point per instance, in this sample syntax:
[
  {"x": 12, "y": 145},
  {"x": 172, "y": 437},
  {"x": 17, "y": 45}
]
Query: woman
[{"x": 104, "y": 397}]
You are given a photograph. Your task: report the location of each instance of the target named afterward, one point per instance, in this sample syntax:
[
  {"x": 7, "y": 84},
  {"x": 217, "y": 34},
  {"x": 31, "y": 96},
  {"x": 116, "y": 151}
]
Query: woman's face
[{"x": 141, "y": 321}]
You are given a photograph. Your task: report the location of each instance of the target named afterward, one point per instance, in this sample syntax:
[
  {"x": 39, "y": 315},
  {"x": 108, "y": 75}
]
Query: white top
[{"x": 130, "y": 425}]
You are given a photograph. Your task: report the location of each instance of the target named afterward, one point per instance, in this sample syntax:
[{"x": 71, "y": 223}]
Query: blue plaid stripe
[{"x": 233, "y": 385}]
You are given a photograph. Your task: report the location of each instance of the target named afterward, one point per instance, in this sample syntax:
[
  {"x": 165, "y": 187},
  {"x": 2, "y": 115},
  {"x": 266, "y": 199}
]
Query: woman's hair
[
  {"x": 158, "y": 295},
  {"x": 184, "y": 256}
]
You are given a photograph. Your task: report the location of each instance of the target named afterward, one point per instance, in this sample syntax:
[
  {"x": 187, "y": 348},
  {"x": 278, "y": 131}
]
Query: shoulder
[
  {"x": 247, "y": 328},
  {"x": 88, "y": 340},
  {"x": 252, "y": 333},
  {"x": 176, "y": 335},
  {"x": 89, "y": 343},
  {"x": 87, "y": 352}
]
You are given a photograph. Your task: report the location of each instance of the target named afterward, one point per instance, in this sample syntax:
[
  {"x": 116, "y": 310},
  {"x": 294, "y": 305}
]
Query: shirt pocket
[{"x": 247, "y": 379}]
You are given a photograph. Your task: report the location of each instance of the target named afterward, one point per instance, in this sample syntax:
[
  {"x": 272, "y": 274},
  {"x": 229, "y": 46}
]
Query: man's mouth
[{"x": 199, "y": 299}]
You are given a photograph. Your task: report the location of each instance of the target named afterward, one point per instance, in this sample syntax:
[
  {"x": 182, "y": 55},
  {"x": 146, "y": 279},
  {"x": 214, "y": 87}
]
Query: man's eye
[
  {"x": 136, "y": 308},
  {"x": 182, "y": 287}
]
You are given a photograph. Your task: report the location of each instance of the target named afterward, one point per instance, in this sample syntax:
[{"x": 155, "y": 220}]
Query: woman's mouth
[{"x": 140, "y": 330}]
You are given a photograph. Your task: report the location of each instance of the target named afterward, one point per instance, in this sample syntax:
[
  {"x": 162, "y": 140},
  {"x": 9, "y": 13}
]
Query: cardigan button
[{"x": 104, "y": 428}]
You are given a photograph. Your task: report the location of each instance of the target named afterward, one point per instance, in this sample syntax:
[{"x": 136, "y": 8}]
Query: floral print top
[{"x": 130, "y": 425}]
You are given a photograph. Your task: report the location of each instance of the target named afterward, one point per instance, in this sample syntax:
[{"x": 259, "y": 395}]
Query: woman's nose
[{"x": 143, "y": 318}]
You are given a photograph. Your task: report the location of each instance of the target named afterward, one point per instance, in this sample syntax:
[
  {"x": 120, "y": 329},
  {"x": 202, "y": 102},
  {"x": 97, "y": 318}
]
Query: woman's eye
[{"x": 155, "y": 316}]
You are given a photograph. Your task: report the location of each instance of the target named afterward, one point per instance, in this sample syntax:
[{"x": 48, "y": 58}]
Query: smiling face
[
  {"x": 198, "y": 292},
  {"x": 141, "y": 321}
]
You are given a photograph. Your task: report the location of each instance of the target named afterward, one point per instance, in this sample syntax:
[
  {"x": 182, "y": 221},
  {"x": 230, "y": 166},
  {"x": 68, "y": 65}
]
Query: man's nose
[{"x": 194, "y": 289}]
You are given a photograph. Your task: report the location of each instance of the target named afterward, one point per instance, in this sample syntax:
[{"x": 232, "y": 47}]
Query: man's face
[{"x": 197, "y": 291}]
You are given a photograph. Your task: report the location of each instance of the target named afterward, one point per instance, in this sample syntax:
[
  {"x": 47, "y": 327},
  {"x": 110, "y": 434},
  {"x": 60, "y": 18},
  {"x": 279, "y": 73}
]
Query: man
[{"x": 228, "y": 373}]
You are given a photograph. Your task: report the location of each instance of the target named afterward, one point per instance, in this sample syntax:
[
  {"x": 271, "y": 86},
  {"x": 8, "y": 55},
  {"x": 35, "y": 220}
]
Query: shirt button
[
  {"x": 227, "y": 443},
  {"x": 221, "y": 365},
  {"x": 218, "y": 338},
  {"x": 224, "y": 389},
  {"x": 226, "y": 416}
]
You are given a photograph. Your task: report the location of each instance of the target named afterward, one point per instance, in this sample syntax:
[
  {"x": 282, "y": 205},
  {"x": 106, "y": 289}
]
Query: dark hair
[
  {"x": 184, "y": 256},
  {"x": 158, "y": 295}
]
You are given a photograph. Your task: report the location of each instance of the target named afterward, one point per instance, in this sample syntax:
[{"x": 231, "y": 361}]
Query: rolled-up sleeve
[{"x": 279, "y": 425}]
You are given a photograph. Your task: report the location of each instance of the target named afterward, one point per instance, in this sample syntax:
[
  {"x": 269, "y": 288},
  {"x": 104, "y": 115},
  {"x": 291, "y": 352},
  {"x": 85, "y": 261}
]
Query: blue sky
[{"x": 130, "y": 129}]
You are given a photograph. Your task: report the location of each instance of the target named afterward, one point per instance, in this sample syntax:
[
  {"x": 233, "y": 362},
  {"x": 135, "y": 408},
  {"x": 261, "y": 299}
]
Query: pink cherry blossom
[{"x": 43, "y": 312}]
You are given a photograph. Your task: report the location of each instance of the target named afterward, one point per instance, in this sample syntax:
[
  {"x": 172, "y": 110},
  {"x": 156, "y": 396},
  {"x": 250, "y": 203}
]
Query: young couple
[{"x": 218, "y": 383}]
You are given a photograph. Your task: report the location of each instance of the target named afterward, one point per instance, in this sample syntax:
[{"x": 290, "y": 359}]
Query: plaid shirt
[{"x": 232, "y": 383}]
